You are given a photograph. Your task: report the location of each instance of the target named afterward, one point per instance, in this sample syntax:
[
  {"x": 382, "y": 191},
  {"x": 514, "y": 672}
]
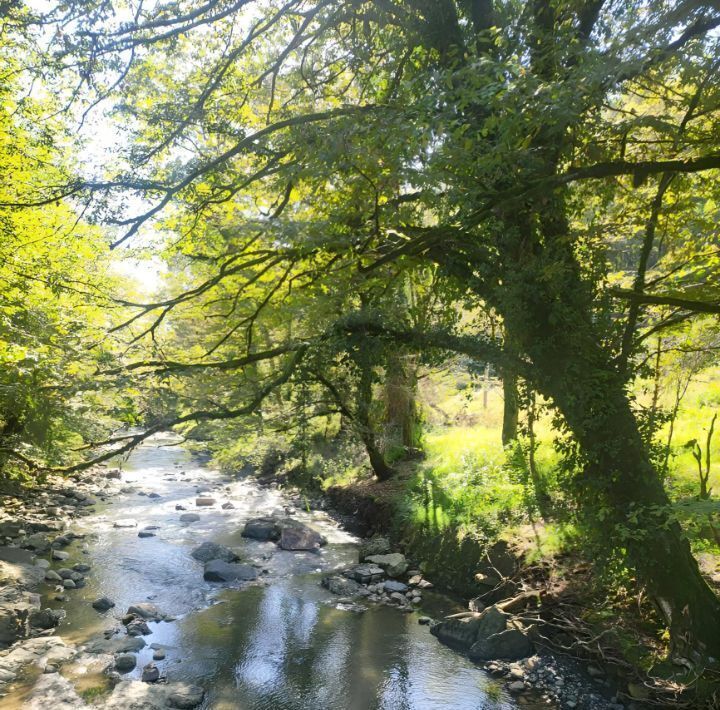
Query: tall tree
[{"x": 480, "y": 137}]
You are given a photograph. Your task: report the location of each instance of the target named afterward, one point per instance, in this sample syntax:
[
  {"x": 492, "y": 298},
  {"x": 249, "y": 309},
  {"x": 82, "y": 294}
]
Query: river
[{"x": 282, "y": 643}]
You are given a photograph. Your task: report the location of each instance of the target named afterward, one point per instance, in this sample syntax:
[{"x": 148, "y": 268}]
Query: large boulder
[
  {"x": 491, "y": 621},
  {"x": 262, "y": 529},
  {"x": 509, "y": 645},
  {"x": 297, "y": 536},
  {"x": 212, "y": 551},
  {"x": 457, "y": 633},
  {"x": 394, "y": 563},
  {"x": 220, "y": 571}
]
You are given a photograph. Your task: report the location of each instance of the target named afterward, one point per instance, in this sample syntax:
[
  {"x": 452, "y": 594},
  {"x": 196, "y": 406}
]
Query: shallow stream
[{"x": 283, "y": 642}]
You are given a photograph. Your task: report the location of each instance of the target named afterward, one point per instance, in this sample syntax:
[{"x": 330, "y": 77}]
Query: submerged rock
[
  {"x": 138, "y": 627},
  {"x": 220, "y": 571},
  {"x": 189, "y": 518},
  {"x": 212, "y": 551}
]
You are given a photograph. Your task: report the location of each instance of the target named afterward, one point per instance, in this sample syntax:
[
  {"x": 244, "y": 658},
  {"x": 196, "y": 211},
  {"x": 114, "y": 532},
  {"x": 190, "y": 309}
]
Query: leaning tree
[{"x": 488, "y": 138}]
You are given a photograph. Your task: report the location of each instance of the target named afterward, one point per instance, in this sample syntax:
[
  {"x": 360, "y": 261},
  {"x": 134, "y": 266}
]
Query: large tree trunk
[
  {"x": 551, "y": 322},
  {"x": 401, "y": 412},
  {"x": 510, "y": 407},
  {"x": 620, "y": 488},
  {"x": 363, "y": 424}
]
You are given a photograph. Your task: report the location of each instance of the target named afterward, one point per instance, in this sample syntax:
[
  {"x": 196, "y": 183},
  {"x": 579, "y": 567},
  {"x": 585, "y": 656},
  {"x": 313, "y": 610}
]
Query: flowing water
[{"x": 281, "y": 643}]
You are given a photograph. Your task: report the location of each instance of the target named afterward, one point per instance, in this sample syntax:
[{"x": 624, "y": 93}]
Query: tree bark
[{"x": 510, "y": 407}]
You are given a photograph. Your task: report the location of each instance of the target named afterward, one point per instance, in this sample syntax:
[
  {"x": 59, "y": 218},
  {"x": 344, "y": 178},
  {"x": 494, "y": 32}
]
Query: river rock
[
  {"x": 81, "y": 567},
  {"x": 145, "y": 610},
  {"x": 52, "y": 576},
  {"x": 491, "y": 621},
  {"x": 189, "y": 518},
  {"x": 146, "y": 533},
  {"x": 394, "y": 586},
  {"x": 394, "y": 564},
  {"x": 510, "y": 645},
  {"x": 154, "y": 495},
  {"x": 341, "y": 586},
  {"x": 53, "y": 690},
  {"x": 297, "y": 536},
  {"x": 15, "y": 616},
  {"x": 103, "y": 604},
  {"x": 69, "y": 584},
  {"x": 45, "y": 618},
  {"x": 476, "y": 605},
  {"x": 113, "y": 473},
  {"x": 185, "y": 696},
  {"x": 125, "y": 662},
  {"x": 118, "y": 644},
  {"x": 227, "y": 506},
  {"x": 365, "y": 573},
  {"x": 150, "y": 673},
  {"x": 59, "y": 555},
  {"x": 212, "y": 551},
  {"x": 138, "y": 627},
  {"x": 262, "y": 529},
  {"x": 220, "y": 571},
  {"x": 10, "y": 528},
  {"x": 16, "y": 555},
  {"x": 463, "y": 633},
  {"x": 205, "y": 501},
  {"x": 37, "y": 542},
  {"x": 376, "y": 545}
]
